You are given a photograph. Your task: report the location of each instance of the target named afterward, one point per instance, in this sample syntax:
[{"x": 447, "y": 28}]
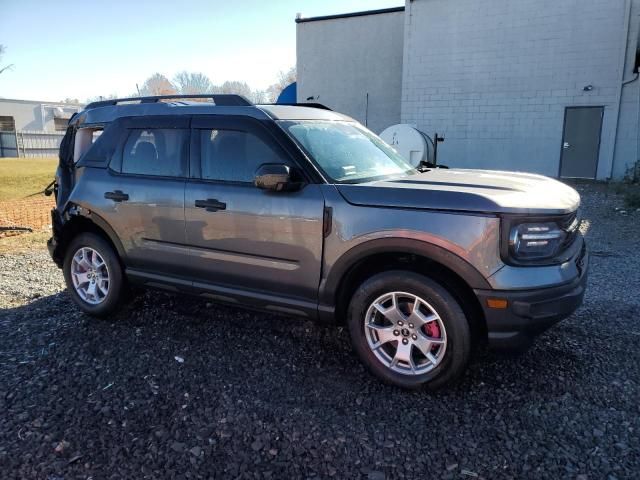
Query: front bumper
[{"x": 531, "y": 312}]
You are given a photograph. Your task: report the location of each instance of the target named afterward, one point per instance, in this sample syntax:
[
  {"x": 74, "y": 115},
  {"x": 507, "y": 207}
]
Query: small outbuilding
[{"x": 33, "y": 115}]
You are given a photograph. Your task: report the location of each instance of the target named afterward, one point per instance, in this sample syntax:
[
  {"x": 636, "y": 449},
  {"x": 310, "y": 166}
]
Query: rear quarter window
[{"x": 85, "y": 145}]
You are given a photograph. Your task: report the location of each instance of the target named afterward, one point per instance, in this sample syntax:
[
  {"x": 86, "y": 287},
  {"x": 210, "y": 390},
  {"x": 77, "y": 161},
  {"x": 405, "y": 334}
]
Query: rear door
[
  {"x": 146, "y": 190},
  {"x": 248, "y": 238}
]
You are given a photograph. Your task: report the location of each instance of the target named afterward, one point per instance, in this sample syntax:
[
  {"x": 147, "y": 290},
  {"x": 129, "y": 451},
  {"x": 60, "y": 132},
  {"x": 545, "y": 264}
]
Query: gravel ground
[{"x": 178, "y": 388}]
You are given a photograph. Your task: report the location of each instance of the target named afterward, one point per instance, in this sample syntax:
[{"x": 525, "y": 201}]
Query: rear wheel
[
  {"x": 93, "y": 275},
  {"x": 408, "y": 330}
]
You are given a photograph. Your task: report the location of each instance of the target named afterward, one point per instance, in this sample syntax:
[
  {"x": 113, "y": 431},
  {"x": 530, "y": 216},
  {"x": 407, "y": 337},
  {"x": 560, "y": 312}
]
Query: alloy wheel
[
  {"x": 405, "y": 333},
  {"x": 90, "y": 275}
]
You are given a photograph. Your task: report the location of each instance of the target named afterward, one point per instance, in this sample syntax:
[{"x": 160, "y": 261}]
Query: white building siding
[
  {"x": 341, "y": 60},
  {"x": 34, "y": 115},
  {"x": 495, "y": 77}
]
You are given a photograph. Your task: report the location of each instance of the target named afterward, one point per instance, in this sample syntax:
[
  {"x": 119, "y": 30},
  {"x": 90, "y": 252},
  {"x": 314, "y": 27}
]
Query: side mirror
[{"x": 276, "y": 177}]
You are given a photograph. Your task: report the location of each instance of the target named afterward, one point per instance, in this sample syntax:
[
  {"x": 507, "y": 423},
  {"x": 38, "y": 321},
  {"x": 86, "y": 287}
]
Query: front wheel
[
  {"x": 408, "y": 330},
  {"x": 93, "y": 275}
]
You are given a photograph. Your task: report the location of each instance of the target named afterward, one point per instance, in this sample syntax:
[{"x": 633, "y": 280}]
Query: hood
[{"x": 485, "y": 191}]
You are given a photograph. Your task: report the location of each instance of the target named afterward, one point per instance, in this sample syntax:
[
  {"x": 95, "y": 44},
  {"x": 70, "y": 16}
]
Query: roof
[
  {"x": 107, "y": 113},
  {"x": 40, "y": 102},
  {"x": 352, "y": 14},
  {"x": 290, "y": 112}
]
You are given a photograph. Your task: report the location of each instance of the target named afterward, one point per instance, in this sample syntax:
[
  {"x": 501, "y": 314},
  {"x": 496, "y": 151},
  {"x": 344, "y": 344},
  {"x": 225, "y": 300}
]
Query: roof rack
[
  {"x": 220, "y": 99},
  {"x": 310, "y": 105}
]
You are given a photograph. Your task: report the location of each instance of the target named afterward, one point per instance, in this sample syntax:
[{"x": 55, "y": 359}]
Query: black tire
[
  {"x": 114, "y": 297},
  {"x": 458, "y": 334}
]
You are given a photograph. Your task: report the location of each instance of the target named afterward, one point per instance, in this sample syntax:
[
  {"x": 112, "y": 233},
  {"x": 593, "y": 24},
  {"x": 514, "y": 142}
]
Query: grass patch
[
  {"x": 630, "y": 193},
  {"x": 632, "y": 199},
  {"x": 20, "y": 177}
]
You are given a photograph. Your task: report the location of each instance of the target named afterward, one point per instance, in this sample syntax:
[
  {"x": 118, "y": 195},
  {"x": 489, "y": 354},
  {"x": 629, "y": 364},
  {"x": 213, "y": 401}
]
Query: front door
[
  {"x": 243, "y": 237},
  {"x": 581, "y": 142}
]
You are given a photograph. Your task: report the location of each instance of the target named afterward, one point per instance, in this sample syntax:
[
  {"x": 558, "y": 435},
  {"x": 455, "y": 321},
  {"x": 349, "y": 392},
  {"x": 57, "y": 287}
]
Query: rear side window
[
  {"x": 233, "y": 155},
  {"x": 156, "y": 152}
]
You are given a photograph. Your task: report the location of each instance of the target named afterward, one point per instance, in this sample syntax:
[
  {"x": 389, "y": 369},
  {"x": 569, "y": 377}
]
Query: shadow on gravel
[
  {"x": 266, "y": 348},
  {"x": 174, "y": 384}
]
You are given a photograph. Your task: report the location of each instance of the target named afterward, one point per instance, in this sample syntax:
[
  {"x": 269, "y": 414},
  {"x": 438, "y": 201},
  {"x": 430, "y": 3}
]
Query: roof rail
[
  {"x": 310, "y": 105},
  {"x": 220, "y": 99}
]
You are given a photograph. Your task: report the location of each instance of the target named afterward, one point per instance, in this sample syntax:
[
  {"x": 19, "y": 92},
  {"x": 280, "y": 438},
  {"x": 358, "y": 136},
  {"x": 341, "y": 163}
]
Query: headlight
[{"x": 535, "y": 241}]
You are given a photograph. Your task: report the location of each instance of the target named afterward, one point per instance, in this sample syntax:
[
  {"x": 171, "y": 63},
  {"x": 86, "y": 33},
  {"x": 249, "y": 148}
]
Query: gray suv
[{"x": 300, "y": 210}]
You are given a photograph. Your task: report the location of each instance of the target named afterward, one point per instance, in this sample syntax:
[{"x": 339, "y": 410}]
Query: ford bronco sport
[{"x": 303, "y": 211}]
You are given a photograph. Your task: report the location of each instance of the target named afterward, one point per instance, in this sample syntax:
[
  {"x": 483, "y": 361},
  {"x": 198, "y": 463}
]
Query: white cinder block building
[
  {"x": 363, "y": 52},
  {"x": 546, "y": 86},
  {"x": 34, "y": 115}
]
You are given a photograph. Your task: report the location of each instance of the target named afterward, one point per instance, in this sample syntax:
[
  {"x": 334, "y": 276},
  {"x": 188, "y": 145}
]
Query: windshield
[{"x": 346, "y": 151}]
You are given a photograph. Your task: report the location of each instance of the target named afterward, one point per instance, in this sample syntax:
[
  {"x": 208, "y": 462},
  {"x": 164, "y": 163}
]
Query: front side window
[
  {"x": 157, "y": 152},
  {"x": 346, "y": 151},
  {"x": 233, "y": 155}
]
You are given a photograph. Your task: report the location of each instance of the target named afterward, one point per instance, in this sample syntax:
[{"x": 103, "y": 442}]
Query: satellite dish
[{"x": 408, "y": 141}]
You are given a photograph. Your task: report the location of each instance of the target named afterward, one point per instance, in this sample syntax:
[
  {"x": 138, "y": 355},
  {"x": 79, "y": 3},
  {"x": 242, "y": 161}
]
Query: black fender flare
[{"x": 330, "y": 285}]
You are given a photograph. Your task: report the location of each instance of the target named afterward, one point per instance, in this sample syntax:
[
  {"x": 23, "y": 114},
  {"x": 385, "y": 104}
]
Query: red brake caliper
[{"x": 432, "y": 330}]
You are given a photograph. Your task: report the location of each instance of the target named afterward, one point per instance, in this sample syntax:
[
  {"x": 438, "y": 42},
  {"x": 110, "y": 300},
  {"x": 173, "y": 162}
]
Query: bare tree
[
  {"x": 99, "y": 98},
  {"x": 237, "y": 87},
  {"x": 240, "y": 88},
  {"x": 259, "y": 96},
  {"x": 190, "y": 83},
  {"x": 157, "y": 84},
  {"x": 193, "y": 83},
  {"x": 3, "y": 49},
  {"x": 284, "y": 79}
]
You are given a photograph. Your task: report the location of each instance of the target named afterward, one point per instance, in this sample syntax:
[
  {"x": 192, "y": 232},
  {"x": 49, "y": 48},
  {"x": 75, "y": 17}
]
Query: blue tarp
[{"x": 288, "y": 95}]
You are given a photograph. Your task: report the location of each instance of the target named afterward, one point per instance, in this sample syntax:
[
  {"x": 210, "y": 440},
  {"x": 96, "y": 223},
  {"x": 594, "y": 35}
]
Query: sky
[{"x": 84, "y": 49}]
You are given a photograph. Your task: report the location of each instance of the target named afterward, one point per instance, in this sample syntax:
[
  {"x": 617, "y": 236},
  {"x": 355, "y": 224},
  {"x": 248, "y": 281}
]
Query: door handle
[
  {"x": 116, "y": 196},
  {"x": 566, "y": 145},
  {"x": 211, "y": 205}
]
